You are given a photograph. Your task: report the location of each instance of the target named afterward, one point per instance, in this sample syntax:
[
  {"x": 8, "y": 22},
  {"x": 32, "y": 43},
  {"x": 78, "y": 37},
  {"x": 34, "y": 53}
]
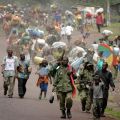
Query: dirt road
[{"x": 30, "y": 108}]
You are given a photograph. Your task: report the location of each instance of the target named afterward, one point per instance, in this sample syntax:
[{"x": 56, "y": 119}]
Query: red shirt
[{"x": 99, "y": 19}]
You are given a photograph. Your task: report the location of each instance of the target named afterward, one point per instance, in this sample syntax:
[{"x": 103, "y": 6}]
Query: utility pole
[{"x": 108, "y": 13}]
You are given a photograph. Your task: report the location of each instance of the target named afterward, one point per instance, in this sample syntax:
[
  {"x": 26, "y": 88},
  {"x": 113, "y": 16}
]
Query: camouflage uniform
[
  {"x": 84, "y": 89},
  {"x": 64, "y": 89}
]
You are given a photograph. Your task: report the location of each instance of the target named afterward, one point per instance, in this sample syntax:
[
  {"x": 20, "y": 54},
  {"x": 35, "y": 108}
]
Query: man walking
[
  {"x": 9, "y": 72},
  {"x": 64, "y": 86},
  {"x": 23, "y": 74}
]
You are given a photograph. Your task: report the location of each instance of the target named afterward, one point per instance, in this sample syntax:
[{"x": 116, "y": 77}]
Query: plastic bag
[
  {"x": 38, "y": 60},
  {"x": 76, "y": 63}
]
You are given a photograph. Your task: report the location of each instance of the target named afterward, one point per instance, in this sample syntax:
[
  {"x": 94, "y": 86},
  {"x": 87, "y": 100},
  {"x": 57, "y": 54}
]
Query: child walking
[
  {"x": 97, "y": 97},
  {"x": 43, "y": 79}
]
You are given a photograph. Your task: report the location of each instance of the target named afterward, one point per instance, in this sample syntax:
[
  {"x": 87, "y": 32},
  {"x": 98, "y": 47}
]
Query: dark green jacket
[
  {"x": 106, "y": 78},
  {"x": 62, "y": 80}
]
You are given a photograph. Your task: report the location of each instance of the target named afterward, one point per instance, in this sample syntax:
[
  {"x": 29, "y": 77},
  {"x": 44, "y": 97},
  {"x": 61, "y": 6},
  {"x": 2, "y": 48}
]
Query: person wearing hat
[
  {"x": 97, "y": 96},
  {"x": 9, "y": 66},
  {"x": 85, "y": 81},
  {"x": 23, "y": 72},
  {"x": 106, "y": 77}
]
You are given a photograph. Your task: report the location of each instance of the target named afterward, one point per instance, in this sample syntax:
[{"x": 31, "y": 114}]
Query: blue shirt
[{"x": 24, "y": 73}]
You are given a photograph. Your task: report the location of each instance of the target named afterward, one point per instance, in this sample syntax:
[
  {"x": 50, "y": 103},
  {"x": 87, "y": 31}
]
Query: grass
[
  {"x": 114, "y": 27},
  {"x": 113, "y": 113}
]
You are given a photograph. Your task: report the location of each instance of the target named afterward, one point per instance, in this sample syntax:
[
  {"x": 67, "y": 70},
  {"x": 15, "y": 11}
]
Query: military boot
[
  {"x": 69, "y": 115},
  {"x": 63, "y": 114},
  {"x": 83, "y": 102}
]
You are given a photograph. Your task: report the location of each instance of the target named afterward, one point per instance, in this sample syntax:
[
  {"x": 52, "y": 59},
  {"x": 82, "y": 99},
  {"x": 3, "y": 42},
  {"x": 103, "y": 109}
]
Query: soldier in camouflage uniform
[
  {"x": 85, "y": 81},
  {"x": 62, "y": 85}
]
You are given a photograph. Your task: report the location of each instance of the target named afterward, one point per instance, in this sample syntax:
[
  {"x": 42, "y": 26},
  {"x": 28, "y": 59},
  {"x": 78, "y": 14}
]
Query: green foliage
[
  {"x": 113, "y": 113},
  {"x": 97, "y": 2},
  {"x": 115, "y": 28}
]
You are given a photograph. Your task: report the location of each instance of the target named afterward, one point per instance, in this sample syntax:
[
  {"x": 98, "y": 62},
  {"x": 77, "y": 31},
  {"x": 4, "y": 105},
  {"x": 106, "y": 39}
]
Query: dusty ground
[{"x": 30, "y": 107}]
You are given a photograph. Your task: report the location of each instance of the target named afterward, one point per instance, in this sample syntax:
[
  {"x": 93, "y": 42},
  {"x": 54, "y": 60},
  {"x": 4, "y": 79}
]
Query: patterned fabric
[
  {"x": 42, "y": 79},
  {"x": 62, "y": 80},
  {"x": 23, "y": 69}
]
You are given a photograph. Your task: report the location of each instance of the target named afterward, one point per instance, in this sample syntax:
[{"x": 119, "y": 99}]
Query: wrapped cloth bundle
[
  {"x": 75, "y": 51},
  {"x": 25, "y": 39},
  {"x": 100, "y": 10},
  {"x": 67, "y": 12},
  {"x": 41, "y": 41},
  {"x": 107, "y": 32},
  {"x": 59, "y": 45},
  {"x": 58, "y": 48},
  {"x": 35, "y": 32}
]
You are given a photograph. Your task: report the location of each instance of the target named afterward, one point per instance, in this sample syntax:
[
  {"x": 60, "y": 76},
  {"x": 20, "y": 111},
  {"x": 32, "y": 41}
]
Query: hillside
[{"x": 61, "y": 3}]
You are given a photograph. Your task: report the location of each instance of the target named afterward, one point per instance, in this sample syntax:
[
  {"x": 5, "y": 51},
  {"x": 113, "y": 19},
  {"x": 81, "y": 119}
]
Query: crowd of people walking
[{"x": 45, "y": 41}]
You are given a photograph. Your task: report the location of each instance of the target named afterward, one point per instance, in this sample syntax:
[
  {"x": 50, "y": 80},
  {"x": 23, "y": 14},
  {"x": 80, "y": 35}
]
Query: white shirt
[
  {"x": 95, "y": 47},
  {"x": 69, "y": 30},
  {"x": 33, "y": 45},
  {"x": 95, "y": 57},
  {"x": 63, "y": 30},
  {"x": 116, "y": 50},
  {"x": 10, "y": 64}
]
